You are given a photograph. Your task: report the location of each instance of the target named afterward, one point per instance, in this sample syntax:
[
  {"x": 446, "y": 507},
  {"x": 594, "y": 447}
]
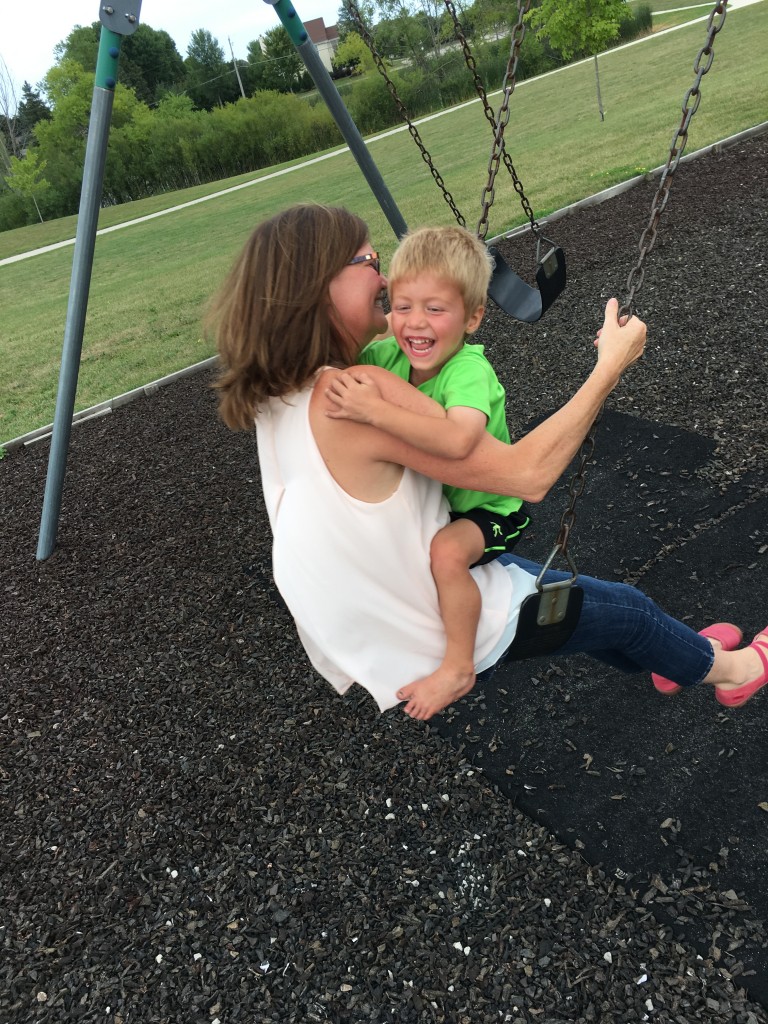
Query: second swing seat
[{"x": 524, "y": 301}]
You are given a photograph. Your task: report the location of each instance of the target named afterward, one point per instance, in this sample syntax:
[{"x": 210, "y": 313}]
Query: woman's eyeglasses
[{"x": 368, "y": 257}]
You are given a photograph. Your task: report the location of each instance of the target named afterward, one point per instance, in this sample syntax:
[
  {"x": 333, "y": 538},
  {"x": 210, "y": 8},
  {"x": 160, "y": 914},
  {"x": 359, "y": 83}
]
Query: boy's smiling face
[{"x": 430, "y": 323}]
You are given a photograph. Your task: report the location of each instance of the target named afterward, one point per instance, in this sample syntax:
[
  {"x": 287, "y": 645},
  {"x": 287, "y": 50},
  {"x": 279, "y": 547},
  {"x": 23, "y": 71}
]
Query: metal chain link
[
  {"x": 690, "y": 106},
  {"x": 413, "y": 130},
  {"x": 469, "y": 60},
  {"x": 577, "y": 485},
  {"x": 636, "y": 275},
  {"x": 489, "y": 192},
  {"x": 647, "y": 241}
]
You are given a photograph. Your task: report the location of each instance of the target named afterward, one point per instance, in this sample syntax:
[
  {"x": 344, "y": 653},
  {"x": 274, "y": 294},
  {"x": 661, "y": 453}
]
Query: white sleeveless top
[{"x": 355, "y": 575}]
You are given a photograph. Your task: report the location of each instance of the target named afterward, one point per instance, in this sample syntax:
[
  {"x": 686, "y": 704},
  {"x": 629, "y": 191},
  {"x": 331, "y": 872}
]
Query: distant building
[{"x": 325, "y": 39}]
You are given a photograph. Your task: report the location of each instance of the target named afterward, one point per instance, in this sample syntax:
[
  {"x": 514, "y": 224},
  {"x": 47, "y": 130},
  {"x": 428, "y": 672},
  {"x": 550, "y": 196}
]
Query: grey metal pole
[
  {"x": 118, "y": 19},
  {"x": 340, "y": 114}
]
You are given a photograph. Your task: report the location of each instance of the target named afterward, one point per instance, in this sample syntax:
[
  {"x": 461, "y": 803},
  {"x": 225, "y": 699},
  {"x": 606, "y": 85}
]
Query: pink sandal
[
  {"x": 728, "y": 635},
  {"x": 741, "y": 694}
]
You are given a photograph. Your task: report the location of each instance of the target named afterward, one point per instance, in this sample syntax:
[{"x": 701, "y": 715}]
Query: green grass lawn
[{"x": 151, "y": 280}]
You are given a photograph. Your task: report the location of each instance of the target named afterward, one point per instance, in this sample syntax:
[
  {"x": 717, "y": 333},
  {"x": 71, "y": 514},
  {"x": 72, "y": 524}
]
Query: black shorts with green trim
[{"x": 500, "y": 533}]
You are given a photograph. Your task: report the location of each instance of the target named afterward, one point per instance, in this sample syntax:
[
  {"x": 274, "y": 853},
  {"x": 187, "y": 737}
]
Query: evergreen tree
[
  {"x": 211, "y": 79},
  {"x": 284, "y": 68},
  {"x": 253, "y": 70},
  {"x": 30, "y": 111}
]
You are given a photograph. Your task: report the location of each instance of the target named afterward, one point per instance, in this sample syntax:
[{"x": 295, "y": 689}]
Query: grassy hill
[{"x": 151, "y": 280}]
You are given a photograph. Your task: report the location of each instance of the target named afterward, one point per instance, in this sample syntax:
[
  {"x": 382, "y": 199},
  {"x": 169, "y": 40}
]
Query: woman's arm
[{"x": 531, "y": 466}]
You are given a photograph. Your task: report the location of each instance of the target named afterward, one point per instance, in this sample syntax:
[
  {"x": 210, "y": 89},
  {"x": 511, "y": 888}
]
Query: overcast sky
[{"x": 29, "y": 29}]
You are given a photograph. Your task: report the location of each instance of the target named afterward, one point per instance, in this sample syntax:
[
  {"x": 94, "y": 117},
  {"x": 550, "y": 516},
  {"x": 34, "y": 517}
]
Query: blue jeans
[{"x": 622, "y": 627}]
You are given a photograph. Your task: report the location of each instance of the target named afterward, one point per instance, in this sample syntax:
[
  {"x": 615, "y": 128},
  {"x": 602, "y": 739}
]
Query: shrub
[
  {"x": 371, "y": 106},
  {"x": 13, "y": 211},
  {"x": 635, "y": 23}
]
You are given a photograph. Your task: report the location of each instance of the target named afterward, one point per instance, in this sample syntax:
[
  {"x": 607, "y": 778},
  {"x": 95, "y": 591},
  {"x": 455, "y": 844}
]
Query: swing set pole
[
  {"x": 317, "y": 70},
  {"x": 118, "y": 18}
]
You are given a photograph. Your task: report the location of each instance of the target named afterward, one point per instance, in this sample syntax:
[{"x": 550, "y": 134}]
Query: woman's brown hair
[{"x": 272, "y": 316}]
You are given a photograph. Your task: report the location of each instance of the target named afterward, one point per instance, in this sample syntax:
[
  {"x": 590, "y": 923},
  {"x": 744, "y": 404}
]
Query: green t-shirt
[{"x": 468, "y": 380}]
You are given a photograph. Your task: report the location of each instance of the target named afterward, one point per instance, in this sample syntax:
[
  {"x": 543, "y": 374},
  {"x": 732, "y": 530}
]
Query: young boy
[{"x": 438, "y": 283}]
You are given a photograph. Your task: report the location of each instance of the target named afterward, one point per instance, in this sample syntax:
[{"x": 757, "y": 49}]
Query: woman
[{"x": 353, "y": 510}]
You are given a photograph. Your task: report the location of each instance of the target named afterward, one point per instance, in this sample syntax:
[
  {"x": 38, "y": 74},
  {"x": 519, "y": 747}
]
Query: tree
[
  {"x": 149, "y": 64},
  {"x": 8, "y": 105},
  {"x": 491, "y": 17},
  {"x": 345, "y": 23},
  {"x": 284, "y": 69},
  {"x": 410, "y": 28},
  {"x": 210, "y": 79},
  {"x": 81, "y": 45},
  {"x": 25, "y": 178},
  {"x": 61, "y": 141},
  {"x": 5, "y": 158},
  {"x": 253, "y": 70},
  {"x": 353, "y": 53},
  {"x": 63, "y": 79},
  {"x": 30, "y": 111},
  {"x": 579, "y": 27}
]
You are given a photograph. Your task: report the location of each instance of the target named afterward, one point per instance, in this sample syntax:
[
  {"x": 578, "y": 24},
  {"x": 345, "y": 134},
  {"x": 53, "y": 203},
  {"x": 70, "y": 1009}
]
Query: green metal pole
[
  {"x": 300, "y": 39},
  {"x": 118, "y": 19}
]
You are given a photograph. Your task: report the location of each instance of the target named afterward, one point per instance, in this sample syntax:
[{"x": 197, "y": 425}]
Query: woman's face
[{"x": 357, "y": 293}]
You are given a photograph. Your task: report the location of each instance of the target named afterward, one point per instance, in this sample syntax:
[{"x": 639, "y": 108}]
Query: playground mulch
[{"x": 194, "y": 828}]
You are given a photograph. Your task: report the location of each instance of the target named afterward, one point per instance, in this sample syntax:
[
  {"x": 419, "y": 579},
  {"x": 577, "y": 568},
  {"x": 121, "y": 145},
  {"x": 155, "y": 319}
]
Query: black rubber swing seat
[
  {"x": 549, "y": 616},
  {"x": 524, "y": 301}
]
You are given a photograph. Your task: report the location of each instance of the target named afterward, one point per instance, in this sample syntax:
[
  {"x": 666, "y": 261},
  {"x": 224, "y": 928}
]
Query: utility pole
[{"x": 237, "y": 69}]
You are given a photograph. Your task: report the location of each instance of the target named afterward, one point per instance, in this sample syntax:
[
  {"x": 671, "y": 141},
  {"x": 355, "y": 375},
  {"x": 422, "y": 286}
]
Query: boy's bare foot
[{"x": 427, "y": 696}]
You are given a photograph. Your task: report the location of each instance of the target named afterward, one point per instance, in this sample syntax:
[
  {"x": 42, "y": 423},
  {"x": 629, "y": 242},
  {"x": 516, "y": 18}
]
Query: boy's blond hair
[{"x": 451, "y": 252}]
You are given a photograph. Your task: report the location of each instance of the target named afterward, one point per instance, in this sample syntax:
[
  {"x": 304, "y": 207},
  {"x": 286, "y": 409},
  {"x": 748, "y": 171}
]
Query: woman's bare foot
[{"x": 431, "y": 694}]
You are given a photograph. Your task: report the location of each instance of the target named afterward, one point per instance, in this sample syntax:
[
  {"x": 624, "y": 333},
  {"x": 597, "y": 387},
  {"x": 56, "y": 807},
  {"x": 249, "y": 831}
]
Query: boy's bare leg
[{"x": 454, "y": 549}]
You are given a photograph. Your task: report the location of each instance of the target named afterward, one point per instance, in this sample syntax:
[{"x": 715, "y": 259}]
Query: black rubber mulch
[{"x": 194, "y": 828}]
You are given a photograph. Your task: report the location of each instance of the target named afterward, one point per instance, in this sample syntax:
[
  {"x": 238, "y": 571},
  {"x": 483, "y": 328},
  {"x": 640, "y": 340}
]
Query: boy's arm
[{"x": 451, "y": 436}]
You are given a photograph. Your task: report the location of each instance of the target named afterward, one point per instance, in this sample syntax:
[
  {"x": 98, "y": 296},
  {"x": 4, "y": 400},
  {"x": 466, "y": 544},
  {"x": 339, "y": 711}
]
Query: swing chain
[
  {"x": 469, "y": 60},
  {"x": 578, "y": 483},
  {"x": 647, "y": 241},
  {"x": 489, "y": 192},
  {"x": 689, "y": 108},
  {"x": 412, "y": 129}
]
